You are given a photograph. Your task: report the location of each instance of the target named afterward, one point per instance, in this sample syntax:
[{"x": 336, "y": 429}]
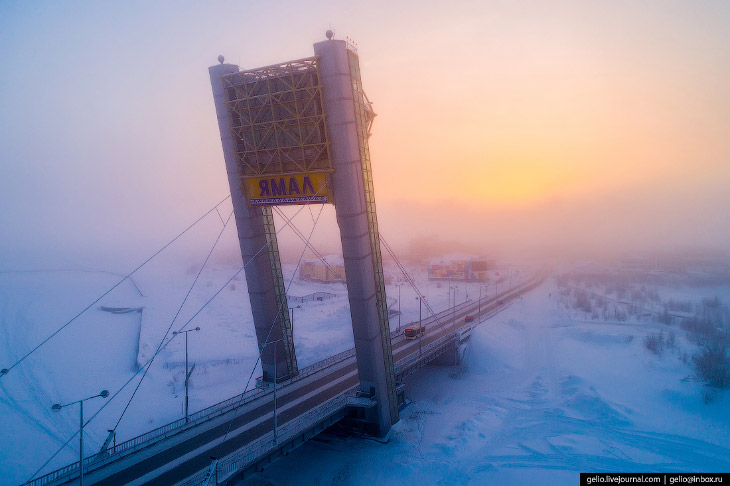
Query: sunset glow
[
  {"x": 364, "y": 242},
  {"x": 500, "y": 107}
]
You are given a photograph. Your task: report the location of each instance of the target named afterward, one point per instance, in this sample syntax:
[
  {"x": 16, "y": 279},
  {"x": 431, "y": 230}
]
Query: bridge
[
  {"x": 239, "y": 433},
  {"x": 292, "y": 133}
]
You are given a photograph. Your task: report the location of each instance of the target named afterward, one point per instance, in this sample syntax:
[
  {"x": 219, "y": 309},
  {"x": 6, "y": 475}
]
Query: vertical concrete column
[
  {"x": 372, "y": 342},
  {"x": 263, "y": 273}
]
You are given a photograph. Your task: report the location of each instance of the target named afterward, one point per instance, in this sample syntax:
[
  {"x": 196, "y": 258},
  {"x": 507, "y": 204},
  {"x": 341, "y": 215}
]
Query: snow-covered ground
[
  {"x": 101, "y": 350},
  {"x": 540, "y": 395},
  {"x": 539, "y": 398}
]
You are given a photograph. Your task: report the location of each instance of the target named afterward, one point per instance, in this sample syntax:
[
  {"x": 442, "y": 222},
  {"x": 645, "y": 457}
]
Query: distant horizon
[{"x": 528, "y": 130}]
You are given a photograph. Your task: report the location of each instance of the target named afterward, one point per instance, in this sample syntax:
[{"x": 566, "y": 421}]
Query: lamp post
[
  {"x": 399, "y": 286},
  {"x": 275, "y": 382},
  {"x": 428, "y": 288},
  {"x": 275, "y": 376},
  {"x": 187, "y": 374},
  {"x": 480, "y": 300},
  {"x": 56, "y": 407},
  {"x": 456, "y": 289},
  {"x": 420, "y": 326},
  {"x": 448, "y": 299}
]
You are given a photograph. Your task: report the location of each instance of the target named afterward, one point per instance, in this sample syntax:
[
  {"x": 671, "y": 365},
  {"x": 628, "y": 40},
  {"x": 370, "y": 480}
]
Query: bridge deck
[{"x": 241, "y": 431}]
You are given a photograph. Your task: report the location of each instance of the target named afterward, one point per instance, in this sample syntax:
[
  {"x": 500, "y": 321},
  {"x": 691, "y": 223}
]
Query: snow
[
  {"x": 538, "y": 399},
  {"x": 541, "y": 394},
  {"x": 31, "y": 304}
]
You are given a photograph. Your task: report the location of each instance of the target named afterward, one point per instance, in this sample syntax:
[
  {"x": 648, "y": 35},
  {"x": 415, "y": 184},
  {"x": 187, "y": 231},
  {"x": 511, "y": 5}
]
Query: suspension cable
[
  {"x": 408, "y": 278},
  {"x": 308, "y": 244},
  {"x": 5, "y": 371},
  {"x": 278, "y": 314},
  {"x": 179, "y": 309},
  {"x": 148, "y": 362}
]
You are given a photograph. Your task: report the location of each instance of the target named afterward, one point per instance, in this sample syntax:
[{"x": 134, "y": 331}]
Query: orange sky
[
  {"x": 544, "y": 108},
  {"x": 534, "y": 118}
]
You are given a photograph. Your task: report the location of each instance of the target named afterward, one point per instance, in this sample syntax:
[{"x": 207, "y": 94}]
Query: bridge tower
[
  {"x": 255, "y": 226},
  {"x": 297, "y": 133}
]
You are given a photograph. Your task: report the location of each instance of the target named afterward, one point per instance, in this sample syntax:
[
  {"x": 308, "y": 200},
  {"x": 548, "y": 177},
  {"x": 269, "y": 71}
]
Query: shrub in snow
[
  {"x": 713, "y": 311},
  {"x": 712, "y": 364},
  {"x": 683, "y": 306},
  {"x": 664, "y": 317},
  {"x": 655, "y": 342},
  {"x": 671, "y": 341},
  {"x": 708, "y": 395},
  {"x": 582, "y": 302},
  {"x": 699, "y": 328}
]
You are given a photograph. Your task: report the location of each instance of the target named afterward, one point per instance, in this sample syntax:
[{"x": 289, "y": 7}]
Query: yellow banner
[{"x": 287, "y": 189}]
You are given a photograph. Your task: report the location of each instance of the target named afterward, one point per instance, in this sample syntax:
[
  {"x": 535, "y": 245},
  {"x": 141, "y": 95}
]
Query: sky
[{"x": 562, "y": 128}]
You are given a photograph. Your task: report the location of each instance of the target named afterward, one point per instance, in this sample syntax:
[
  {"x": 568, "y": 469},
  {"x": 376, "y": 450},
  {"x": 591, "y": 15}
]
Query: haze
[{"x": 522, "y": 128}]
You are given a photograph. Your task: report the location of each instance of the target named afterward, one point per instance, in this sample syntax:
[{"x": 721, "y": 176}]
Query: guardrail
[
  {"x": 173, "y": 428},
  {"x": 417, "y": 356},
  {"x": 265, "y": 444},
  {"x": 427, "y": 353}
]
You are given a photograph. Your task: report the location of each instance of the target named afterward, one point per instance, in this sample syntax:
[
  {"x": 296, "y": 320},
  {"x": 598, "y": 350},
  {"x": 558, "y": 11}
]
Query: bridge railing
[
  {"x": 426, "y": 354},
  {"x": 173, "y": 428},
  {"x": 288, "y": 431},
  {"x": 265, "y": 444},
  {"x": 444, "y": 314},
  {"x": 417, "y": 356}
]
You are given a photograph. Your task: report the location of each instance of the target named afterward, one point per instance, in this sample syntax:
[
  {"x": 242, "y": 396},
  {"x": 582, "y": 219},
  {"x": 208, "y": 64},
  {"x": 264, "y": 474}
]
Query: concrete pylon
[
  {"x": 347, "y": 121},
  {"x": 255, "y": 226}
]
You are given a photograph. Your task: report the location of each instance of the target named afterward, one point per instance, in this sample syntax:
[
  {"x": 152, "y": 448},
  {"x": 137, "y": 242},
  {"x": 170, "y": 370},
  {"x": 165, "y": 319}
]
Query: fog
[{"x": 508, "y": 129}]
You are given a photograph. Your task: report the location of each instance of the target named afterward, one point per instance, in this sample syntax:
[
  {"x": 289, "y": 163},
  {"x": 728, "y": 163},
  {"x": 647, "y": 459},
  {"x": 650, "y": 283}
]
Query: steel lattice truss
[{"x": 277, "y": 120}]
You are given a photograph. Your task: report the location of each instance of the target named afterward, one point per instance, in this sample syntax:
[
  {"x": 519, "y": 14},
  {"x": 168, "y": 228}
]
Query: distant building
[
  {"x": 467, "y": 269},
  {"x": 317, "y": 271}
]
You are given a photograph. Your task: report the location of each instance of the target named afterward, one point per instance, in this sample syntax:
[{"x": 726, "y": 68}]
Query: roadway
[{"x": 234, "y": 430}]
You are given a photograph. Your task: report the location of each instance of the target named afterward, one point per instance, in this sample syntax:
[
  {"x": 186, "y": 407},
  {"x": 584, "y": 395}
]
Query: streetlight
[
  {"x": 428, "y": 288},
  {"x": 275, "y": 381},
  {"x": 187, "y": 374},
  {"x": 480, "y": 299},
  {"x": 399, "y": 286},
  {"x": 56, "y": 407},
  {"x": 448, "y": 299},
  {"x": 456, "y": 289},
  {"x": 420, "y": 326}
]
